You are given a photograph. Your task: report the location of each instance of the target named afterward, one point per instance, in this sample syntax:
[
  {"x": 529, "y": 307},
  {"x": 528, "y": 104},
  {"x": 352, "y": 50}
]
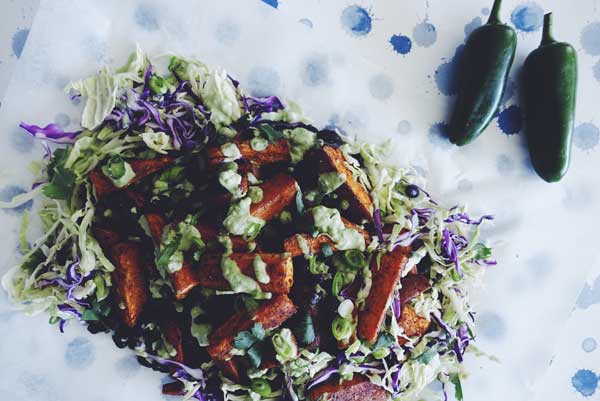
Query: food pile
[{"x": 235, "y": 246}]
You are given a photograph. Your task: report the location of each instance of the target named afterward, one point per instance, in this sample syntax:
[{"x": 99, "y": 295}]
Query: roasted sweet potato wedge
[
  {"x": 278, "y": 151},
  {"x": 142, "y": 168},
  {"x": 279, "y": 269},
  {"x": 185, "y": 279},
  {"x": 105, "y": 237},
  {"x": 413, "y": 324},
  {"x": 156, "y": 223},
  {"x": 129, "y": 280},
  {"x": 412, "y": 286},
  {"x": 314, "y": 244},
  {"x": 270, "y": 314},
  {"x": 361, "y": 206},
  {"x": 229, "y": 368},
  {"x": 357, "y": 389},
  {"x": 385, "y": 277},
  {"x": 174, "y": 336},
  {"x": 278, "y": 192}
]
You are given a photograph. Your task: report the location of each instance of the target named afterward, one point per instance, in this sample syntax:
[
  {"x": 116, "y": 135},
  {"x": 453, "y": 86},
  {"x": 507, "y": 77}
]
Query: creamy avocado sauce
[
  {"x": 329, "y": 221},
  {"x": 260, "y": 270}
]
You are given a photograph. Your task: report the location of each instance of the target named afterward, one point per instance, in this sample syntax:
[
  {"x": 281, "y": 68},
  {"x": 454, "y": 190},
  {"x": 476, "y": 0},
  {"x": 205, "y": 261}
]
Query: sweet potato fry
[
  {"x": 278, "y": 192},
  {"x": 385, "y": 278},
  {"x": 105, "y": 237},
  {"x": 357, "y": 389},
  {"x": 413, "y": 324},
  {"x": 156, "y": 223},
  {"x": 174, "y": 336},
  {"x": 278, "y": 151},
  {"x": 130, "y": 281},
  {"x": 185, "y": 280},
  {"x": 219, "y": 197},
  {"x": 279, "y": 269},
  {"x": 314, "y": 244},
  {"x": 270, "y": 314},
  {"x": 229, "y": 368},
  {"x": 361, "y": 205},
  {"x": 142, "y": 168},
  {"x": 413, "y": 285}
]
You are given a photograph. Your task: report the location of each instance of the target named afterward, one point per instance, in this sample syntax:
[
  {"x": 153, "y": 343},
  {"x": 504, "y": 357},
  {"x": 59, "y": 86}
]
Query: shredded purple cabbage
[
  {"x": 147, "y": 75},
  {"x": 259, "y": 105},
  {"x": 181, "y": 371},
  {"x": 397, "y": 308},
  {"x": 51, "y": 132},
  {"x": 464, "y": 218},
  {"x": 449, "y": 248},
  {"x": 378, "y": 225},
  {"x": 323, "y": 376},
  {"x": 438, "y": 320}
]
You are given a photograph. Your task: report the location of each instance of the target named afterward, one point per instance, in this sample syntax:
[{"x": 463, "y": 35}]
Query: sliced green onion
[
  {"x": 157, "y": 85},
  {"x": 261, "y": 387},
  {"x": 114, "y": 168},
  {"x": 354, "y": 258},
  {"x": 341, "y": 328},
  {"x": 337, "y": 284}
]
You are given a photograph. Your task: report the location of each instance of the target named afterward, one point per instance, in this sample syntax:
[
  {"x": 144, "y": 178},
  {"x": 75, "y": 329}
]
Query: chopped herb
[
  {"x": 62, "y": 180},
  {"x": 458, "y": 393},
  {"x": 270, "y": 133},
  {"x": 426, "y": 356}
]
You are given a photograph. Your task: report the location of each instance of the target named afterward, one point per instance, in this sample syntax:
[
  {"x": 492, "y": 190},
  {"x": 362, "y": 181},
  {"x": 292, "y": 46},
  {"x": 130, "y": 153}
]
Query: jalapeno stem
[
  {"x": 495, "y": 14},
  {"x": 547, "y": 33}
]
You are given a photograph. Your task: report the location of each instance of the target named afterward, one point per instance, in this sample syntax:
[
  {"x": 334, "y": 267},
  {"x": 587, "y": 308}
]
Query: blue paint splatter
[
  {"x": 585, "y": 382},
  {"x": 485, "y": 11},
  {"x": 590, "y": 295},
  {"x": 315, "y": 70},
  {"x": 145, "y": 17},
  {"x": 381, "y": 86},
  {"x": 272, "y": 3},
  {"x": 446, "y": 75},
  {"x": 597, "y": 71},
  {"x": 80, "y": 353},
  {"x": 586, "y": 136},
  {"x": 356, "y": 20},
  {"x": 401, "y": 44},
  {"x": 527, "y": 17},
  {"x": 18, "y": 41},
  {"x": 438, "y": 136},
  {"x": 263, "y": 81},
  {"x": 505, "y": 165},
  {"x": 465, "y": 185},
  {"x": 424, "y": 34},
  {"x": 590, "y": 38},
  {"x": 227, "y": 32},
  {"x": 589, "y": 345},
  {"x": 62, "y": 119},
  {"x": 306, "y": 22},
  {"x": 510, "y": 120},
  {"x": 9, "y": 192},
  {"x": 21, "y": 140},
  {"x": 404, "y": 127},
  {"x": 491, "y": 326},
  {"x": 471, "y": 26}
]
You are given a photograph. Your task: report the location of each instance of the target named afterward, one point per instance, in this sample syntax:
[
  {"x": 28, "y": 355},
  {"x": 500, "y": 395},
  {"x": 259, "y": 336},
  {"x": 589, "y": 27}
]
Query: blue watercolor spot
[
  {"x": 509, "y": 91},
  {"x": 9, "y": 192},
  {"x": 505, "y": 165},
  {"x": 21, "y": 140},
  {"x": 540, "y": 265},
  {"x": 401, "y": 44},
  {"x": 438, "y": 136},
  {"x": 446, "y": 74},
  {"x": 356, "y": 20},
  {"x": 589, "y": 345},
  {"x": 590, "y": 295},
  {"x": 37, "y": 387},
  {"x": 465, "y": 185},
  {"x": 263, "y": 81},
  {"x": 485, "y": 11},
  {"x": 272, "y": 3},
  {"x": 424, "y": 34},
  {"x": 527, "y": 17},
  {"x": 315, "y": 70},
  {"x": 95, "y": 47},
  {"x": 146, "y": 17},
  {"x": 590, "y": 38},
  {"x": 404, "y": 127},
  {"x": 227, "y": 32},
  {"x": 510, "y": 120},
  {"x": 471, "y": 26},
  {"x": 62, "y": 119},
  {"x": 597, "y": 71},
  {"x": 80, "y": 353},
  {"x": 381, "y": 86},
  {"x": 585, "y": 382},
  {"x": 18, "y": 41},
  {"x": 586, "y": 136},
  {"x": 491, "y": 326},
  {"x": 306, "y": 22}
]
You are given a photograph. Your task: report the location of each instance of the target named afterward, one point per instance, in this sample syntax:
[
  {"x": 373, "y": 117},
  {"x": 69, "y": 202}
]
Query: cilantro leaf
[
  {"x": 426, "y": 356},
  {"x": 305, "y": 331},
  {"x": 299, "y": 202},
  {"x": 385, "y": 340},
  {"x": 258, "y": 331},
  {"x": 244, "y": 340},
  {"x": 255, "y": 354},
  {"x": 62, "y": 180},
  {"x": 270, "y": 133},
  {"x": 458, "y": 393},
  {"x": 326, "y": 250},
  {"x": 483, "y": 252}
]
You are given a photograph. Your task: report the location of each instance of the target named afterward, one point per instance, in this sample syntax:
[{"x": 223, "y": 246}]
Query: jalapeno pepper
[
  {"x": 485, "y": 64},
  {"x": 550, "y": 83}
]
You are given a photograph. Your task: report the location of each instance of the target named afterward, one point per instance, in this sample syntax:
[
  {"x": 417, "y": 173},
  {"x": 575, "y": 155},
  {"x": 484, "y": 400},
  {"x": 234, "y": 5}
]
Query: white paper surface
[{"x": 544, "y": 235}]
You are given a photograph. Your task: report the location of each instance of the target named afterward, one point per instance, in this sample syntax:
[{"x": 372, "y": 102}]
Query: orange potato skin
[
  {"x": 278, "y": 192},
  {"x": 357, "y": 389},
  {"x": 278, "y": 151}
]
